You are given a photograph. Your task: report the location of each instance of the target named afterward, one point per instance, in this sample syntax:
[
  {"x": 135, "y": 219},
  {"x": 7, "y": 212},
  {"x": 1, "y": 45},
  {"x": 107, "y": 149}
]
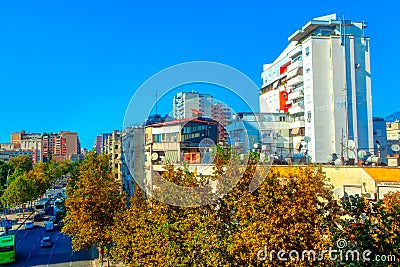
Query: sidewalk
[
  {"x": 17, "y": 220},
  {"x": 96, "y": 263}
]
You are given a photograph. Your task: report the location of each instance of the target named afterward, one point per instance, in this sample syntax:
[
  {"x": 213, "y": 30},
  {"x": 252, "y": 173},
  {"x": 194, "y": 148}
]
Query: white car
[
  {"x": 46, "y": 242},
  {"x": 29, "y": 225}
]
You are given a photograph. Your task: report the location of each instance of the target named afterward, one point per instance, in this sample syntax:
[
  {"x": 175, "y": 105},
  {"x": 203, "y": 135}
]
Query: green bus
[{"x": 7, "y": 249}]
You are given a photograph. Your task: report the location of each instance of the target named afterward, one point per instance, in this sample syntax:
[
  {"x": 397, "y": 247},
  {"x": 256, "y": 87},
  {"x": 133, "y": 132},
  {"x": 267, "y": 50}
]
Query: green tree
[
  {"x": 22, "y": 162},
  {"x": 370, "y": 226},
  {"x": 19, "y": 191},
  {"x": 92, "y": 204}
]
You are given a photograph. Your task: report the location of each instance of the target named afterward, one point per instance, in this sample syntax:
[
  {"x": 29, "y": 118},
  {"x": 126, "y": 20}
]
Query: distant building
[
  {"x": 134, "y": 153},
  {"x": 393, "y": 136},
  {"x": 60, "y": 146},
  {"x": 192, "y": 105},
  {"x": 223, "y": 115},
  {"x": 28, "y": 141},
  {"x": 267, "y": 132},
  {"x": 6, "y": 155},
  {"x": 112, "y": 145},
  {"x": 380, "y": 138},
  {"x": 98, "y": 144},
  {"x": 322, "y": 80}
]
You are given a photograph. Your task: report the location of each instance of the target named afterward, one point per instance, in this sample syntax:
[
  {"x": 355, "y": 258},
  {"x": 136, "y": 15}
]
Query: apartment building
[
  {"x": 112, "y": 145},
  {"x": 223, "y": 115},
  {"x": 192, "y": 105},
  {"x": 60, "y": 146},
  {"x": 28, "y": 141},
  {"x": 267, "y": 133},
  {"x": 322, "y": 79}
]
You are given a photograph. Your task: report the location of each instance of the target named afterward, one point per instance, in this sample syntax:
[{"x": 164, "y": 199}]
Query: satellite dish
[
  {"x": 395, "y": 147},
  {"x": 307, "y": 139},
  {"x": 338, "y": 162},
  {"x": 361, "y": 154},
  {"x": 351, "y": 154},
  {"x": 339, "y": 192},
  {"x": 351, "y": 144},
  {"x": 263, "y": 147},
  {"x": 154, "y": 156}
]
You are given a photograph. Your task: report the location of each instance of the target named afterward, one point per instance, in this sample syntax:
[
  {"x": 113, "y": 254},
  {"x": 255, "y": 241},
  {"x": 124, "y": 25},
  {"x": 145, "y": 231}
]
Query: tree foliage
[
  {"x": 93, "y": 201},
  {"x": 22, "y": 162},
  {"x": 370, "y": 226},
  {"x": 27, "y": 184},
  {"x": 267, "y": 210}
]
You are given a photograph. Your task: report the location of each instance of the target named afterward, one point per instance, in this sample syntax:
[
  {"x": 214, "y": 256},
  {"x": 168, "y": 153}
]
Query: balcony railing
[
  {"x": 296, "y": 109},
  {"x": 295, "y": 80},
  {"x": 297, "y": 124},
  {"x": 296, "y": 94},
  {"x": 295, "y": 65}
]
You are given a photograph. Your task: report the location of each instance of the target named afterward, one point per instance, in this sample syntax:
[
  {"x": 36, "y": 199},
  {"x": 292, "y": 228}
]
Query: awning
[
  {"x": 171, "y": 157},
  {"x": 295, "y": 130}
]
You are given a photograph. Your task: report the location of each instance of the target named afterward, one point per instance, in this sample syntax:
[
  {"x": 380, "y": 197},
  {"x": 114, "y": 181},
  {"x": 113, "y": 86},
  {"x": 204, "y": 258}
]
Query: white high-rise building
[
  {"x": 323, "y": 80},
  {"x": 192, "y": 104}
]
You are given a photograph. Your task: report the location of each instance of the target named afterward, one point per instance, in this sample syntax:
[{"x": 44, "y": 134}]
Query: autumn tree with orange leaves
[{"x": 93, "y": 200}]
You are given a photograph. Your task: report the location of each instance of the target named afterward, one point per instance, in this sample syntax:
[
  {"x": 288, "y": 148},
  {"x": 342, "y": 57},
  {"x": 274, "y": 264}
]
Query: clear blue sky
[{"x": 74, "y": 65}]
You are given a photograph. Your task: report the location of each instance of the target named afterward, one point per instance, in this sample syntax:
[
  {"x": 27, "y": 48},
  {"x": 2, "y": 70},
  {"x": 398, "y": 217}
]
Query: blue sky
[{"x": 74, "y": 65}]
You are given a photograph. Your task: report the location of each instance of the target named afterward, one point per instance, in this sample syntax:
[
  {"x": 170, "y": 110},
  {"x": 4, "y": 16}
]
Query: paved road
[{"x": 29, "y": 252}]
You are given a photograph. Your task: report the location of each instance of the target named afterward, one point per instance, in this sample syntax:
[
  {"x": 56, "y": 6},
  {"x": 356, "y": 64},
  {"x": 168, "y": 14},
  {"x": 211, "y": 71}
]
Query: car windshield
[{"x": 46, "y": 239}]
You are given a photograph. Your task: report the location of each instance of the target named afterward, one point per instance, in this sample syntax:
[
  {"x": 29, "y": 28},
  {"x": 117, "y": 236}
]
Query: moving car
[
  {"x": 46, "y": 242},
  {"x": 28, "y": 225},
  {"x": 49, "y": 226}
]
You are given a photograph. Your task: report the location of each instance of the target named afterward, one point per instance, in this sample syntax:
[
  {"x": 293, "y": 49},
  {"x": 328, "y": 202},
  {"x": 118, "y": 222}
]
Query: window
[
  {"x": 307, "y": 50},
  {"x": 309, "y": 116},
  {"x": 282, "y": 118}
]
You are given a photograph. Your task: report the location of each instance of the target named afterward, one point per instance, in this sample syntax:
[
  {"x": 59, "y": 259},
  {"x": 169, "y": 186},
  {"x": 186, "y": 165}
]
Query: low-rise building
[{"x": 268, "y": 133}]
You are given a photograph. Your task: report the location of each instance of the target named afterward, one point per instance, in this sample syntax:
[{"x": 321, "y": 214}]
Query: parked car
[
  {"x": 29, "y": 225},
  {"x": 46, "y": 242}
]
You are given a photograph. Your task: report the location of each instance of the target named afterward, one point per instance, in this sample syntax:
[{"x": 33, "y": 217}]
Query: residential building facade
[
  {"x": 192, "y": 105},
  {"x": 322, "y": 79},
  {"x": 266, "y": 132}
]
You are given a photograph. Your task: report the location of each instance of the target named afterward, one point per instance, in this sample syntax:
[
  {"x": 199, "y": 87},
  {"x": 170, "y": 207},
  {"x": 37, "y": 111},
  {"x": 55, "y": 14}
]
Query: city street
[{"x": 30, "y": 253}]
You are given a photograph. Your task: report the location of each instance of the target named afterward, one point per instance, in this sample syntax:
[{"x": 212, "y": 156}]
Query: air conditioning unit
[{"x": 370, "y": 195}]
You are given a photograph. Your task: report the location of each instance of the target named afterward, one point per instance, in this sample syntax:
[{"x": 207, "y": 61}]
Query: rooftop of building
[{"x": 330, "y": 20}]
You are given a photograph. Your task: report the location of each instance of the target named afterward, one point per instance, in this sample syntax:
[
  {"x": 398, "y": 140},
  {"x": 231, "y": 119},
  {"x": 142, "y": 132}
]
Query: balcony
[
  {"x": 295, "y": 65},
  {"x": 296, "y": 94},
  {"x": 165, "y": 146},
  {"x": 296, "y": 109},
  {"x": 295, "y": 80},
  {"x": 297, "y": 124},
  {"x": 295, "y": 51}
]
